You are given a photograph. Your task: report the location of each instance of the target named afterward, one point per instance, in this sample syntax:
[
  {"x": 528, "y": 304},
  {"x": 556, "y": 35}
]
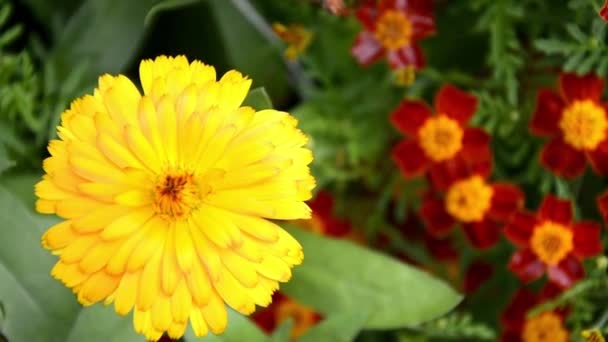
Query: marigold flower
[
  {"x": 577, "y": 124},
  {"x": 432, "y": 141},
  {"x": 283, "y": 308},
  {"x": 165, "y": 197},
  {"x": 392, "y": 28},
  {"x": 547, "y": 326},
  {"x": 469, "y": 199},
  {"x": 550, "y": 241},
  {"x": 296, "y": 36}
]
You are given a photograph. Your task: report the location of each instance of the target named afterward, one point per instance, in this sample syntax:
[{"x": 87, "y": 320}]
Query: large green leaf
[
  {"x": 239, "y": 329},
  {"x": 340, "y": 277},
  {"x": 38, "y": 308},
  {"x": 258, "y": 99},
  {"x": 342, "y": 327}
]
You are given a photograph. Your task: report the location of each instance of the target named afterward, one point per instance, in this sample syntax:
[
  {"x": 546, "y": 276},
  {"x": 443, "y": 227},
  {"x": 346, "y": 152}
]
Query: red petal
[
  {"x": 602, "y": 204},
  {"x": 322, "y": 204},
  {"x": 575, "y": 87},
  {"x": 436, "y": 219},
  {"x": 510, "y": 336},
  {"x": 442, "y": 175},
  {"x": 566, "y": 273},
  {"x": 410, "y": 116},
  {"x": 410, "y": 158},
  {"x": 366, "y": 49},
  {"x": 520, "y": 228},
  {"x": 483, "y": 234},
  {"x": 407, "y": 55},
  {"x": 455, "y": 103},
  {"x": 441, "y": 248},
  {"x": 556, "y": 210},
  {"x": 477, "y": 273},
  {"x": 420, "y": 13},
  {"x": 562, "y": 159},
  {"x": 265, "y": 318},
  {"x": 367, "y": 14},
  {"x": 604, "y": 11},
  {"x": 506, "y": 199},
  {"x": 546, "y": 117},
  {"x": 599, "y": 158},
  {"x": 526, "y": 265},
  {"x": 476, "y": 144},
  {"x": 587, "y": 241},
  {"x": 514, "y": 316},
  {"x": 549, "y": 291}
]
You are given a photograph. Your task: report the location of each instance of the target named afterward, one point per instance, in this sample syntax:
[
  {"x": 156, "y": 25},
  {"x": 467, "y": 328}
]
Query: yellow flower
[
  {"x": 166, "y": 197},
  {"x": 296, "y": 36}
]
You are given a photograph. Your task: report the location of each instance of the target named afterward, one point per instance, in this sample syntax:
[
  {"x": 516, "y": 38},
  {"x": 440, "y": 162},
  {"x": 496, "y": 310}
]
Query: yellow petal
[
  {"x": 181, "y": 303},
  {"x": 242, "y": 269},
  {"x": 149, "y": 283},
  {"x": 124, "y": 297},
  {"x": 69, "y": 274},
  {"x": 234, "y": 293},
  {"x": 170, "y": 273},
  {"x": 127, "y": 224},
  {"x": 199, "y": 284},
  {"x": 184, "y": 247},
  {"x": 153, "y": 240},
  {"x": 199, "y": 325},
  {"x": 59, "y": 235},
  {"x": 161, "y": 313},
  {"x": 97, "y": 287},
  {"x": 99, "y": 256},
  {"x": 215, "y": 314}
]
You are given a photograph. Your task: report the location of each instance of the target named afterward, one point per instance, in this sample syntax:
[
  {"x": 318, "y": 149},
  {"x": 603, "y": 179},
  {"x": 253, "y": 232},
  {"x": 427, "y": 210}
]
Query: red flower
[
  {"x": 577, "y": 124},
  {"x": 604, "y": 11},
  {"x": 432, "y": 141},
  {"x": 283, "y": 308},
  {"x": 551, "y": 242},
  {"x": 323, "y": 220},
  {"x": 602, "y": 204},
  {"x": 480, "y": 207},
  {"x": 477, "y": 273},
  {"x": 547, "y": 326},
  {"x": 391, "y": 28}
]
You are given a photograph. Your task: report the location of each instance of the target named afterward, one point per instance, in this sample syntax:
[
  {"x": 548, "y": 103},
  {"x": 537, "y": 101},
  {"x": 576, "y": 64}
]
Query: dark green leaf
[
  {"x": 166, "y": 5},
  {"x": 258, "y": 99},
  {"x": 239, "y": 329},
  {"x": 342, "y": 327},
  {"x": 339, "y": 277}
]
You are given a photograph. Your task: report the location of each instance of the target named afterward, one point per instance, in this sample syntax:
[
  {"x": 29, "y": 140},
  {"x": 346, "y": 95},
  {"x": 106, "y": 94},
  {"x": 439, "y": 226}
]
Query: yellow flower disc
[{"x": 166, "y": 197}]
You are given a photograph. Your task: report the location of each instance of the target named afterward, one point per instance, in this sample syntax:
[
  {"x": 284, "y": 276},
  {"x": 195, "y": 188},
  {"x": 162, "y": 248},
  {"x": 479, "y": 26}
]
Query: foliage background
[{"x": 503, "y": 50}]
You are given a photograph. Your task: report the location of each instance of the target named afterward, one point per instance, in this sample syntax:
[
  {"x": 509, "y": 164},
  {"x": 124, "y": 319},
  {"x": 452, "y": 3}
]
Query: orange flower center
[
  {"x": 584, "y": 124},
  {"x": 468, "y": 200},
  {"x": 393, "y": 30},
  {"x": 546, "y": 327},
  {"x": 551, "y": 242},
  {"x": 440, "y": 137},
  {"x": 303, "y": 317},
  {"x": 175, "y": 195}
]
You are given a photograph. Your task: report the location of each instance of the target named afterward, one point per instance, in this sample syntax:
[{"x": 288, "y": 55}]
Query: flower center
[
  {"x": 551, "y": 242},
  {"x": 303, "y": 317},
  {"x": 584, "y": 124},
  {"x": 440, "y": 137},
  {"x": 468, "y": 200},
  {"x": 175, "y": 195},
  {"x": 393, "y": 30},
  {"x": 546, "y": 327}
]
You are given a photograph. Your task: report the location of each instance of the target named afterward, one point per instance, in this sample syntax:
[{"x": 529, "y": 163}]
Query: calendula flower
[
  {"x": 392, "y": 28},
  {"x": 576, "y": 122},
  {"x": 433, "y": 141},
  {"x": 551, "y": 242},
  {"x": 548, "y": 326},
  {"x": 165, "y": 197},
  {"x": 296, "y": 36},
  {"x": 283, "y": 308},
  {"x": 469, "y": 199}
]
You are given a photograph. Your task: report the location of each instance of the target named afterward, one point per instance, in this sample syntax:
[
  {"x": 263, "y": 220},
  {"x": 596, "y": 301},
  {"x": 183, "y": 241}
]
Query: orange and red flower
[
  {"x": 548, "y": 326},
  {"x": 577, "y": 124},
  {"x": 432, "y": 141},
  {"x": 392, "y": 28},
  {"x": 551, "y": 242},
  {"x": 283, "y": 308},
  {"x": 469, "y": 199}
]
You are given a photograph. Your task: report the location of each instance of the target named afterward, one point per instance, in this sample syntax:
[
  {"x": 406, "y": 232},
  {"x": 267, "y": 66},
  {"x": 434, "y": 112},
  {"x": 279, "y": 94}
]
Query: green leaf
[
  {"x": 340, "y": 277},
  {"x": 258, "y": 99},
  {"x": 39, "y": 308},
  {"x": 5, "y": 161},
  {"x": 282, "y": 333},
  {"x": 166, "y": 5},
  {"x": 240, "y": 328},
  {"x": 342, "y": 327}
]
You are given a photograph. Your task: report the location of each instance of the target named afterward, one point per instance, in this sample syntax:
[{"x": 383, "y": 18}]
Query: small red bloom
[
  {"x": 547, "y": 326},
  {"x": 283, "y": 308},
  {"x": 477, "y": 273},
  {"x": 577, "y": 124},
  {"x": 323, "y": 220},
  {"x": 432, "y": 141},
  {"x": 551, "y": 242},
  {"x": 480, "y": 207},
  {"x": 604, "y": 11},
  {"x": 392, "y": 28}
]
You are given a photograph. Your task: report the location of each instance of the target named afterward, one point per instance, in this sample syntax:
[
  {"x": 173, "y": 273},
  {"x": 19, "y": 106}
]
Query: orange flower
[
  {"x": 577, "y": 124},
  {"x": 391, "y": 28},
  {"x": 469, "y": 199},
  {"x": 550, "y": 241},
  {"x": 283, "y": 308},
  {"x": 432, "y": 141},
  {"x": 296, "y": 36}
]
